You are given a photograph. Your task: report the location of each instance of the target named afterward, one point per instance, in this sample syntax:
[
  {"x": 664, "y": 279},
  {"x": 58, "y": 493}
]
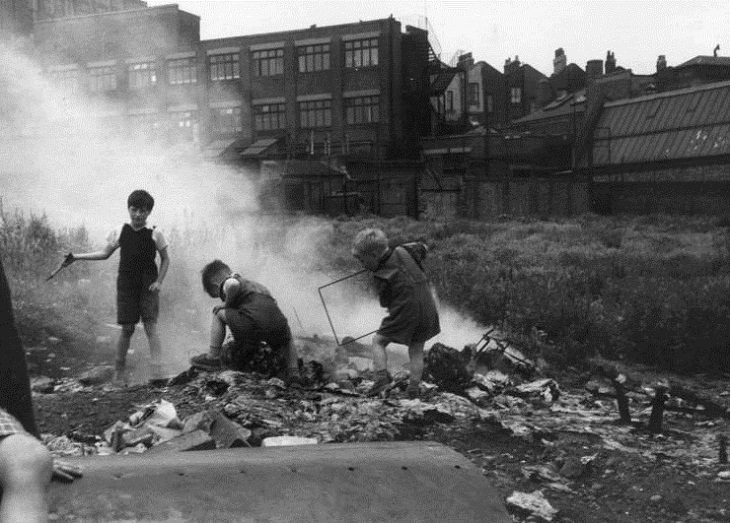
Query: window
[
  {"x": 313, "y": 58},
  {"x": 269, "y": 116},
  {"x": 224, "y": 66},
  {"x": 473, "y": 93},
  {"x": 361, "y": 53},
  {"x": 142, "y": 75},
  {"x": 268, "y": 63},
  {"x": 227, "y": 121},
  {"x": 183, "y": 124},
  {"x": 515, "y": 95},
  {"x": 363, "y": 109},
  {"x": 182, "y": 71},
  {"x": 102, "y": 79},
  {"x": 67, "y": 80},
  {"x": 316, "y": 113},
  {"x": 490, "y": 103},
  {"x": 450, "y": 101}
]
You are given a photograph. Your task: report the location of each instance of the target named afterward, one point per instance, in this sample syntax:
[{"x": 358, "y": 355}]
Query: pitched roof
[
  {"x": 442, "y": 81},
  {"x": 686, "y": 123}
]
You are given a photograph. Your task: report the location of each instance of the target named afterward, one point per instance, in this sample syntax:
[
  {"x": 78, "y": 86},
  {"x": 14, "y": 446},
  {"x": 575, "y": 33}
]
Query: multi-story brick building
[{"x": 352, "y": 88}]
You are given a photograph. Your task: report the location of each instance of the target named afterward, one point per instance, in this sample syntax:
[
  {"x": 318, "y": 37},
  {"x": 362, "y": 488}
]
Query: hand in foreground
[
  {"x": 218, "y": 308},
  {"x": 65, "y": 472},
  {"x": 155, "y": 286}
]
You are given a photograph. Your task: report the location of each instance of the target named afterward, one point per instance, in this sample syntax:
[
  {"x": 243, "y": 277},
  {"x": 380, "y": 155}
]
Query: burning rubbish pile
[{"x": 487, "y": 386}]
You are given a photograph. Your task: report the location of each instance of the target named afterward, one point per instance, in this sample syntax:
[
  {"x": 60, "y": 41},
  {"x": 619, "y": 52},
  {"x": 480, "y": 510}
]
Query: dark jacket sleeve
[{"x": 15, "y": 395}]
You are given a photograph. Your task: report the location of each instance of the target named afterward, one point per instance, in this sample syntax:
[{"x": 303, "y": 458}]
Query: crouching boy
[
  {"x": 404, "y": 291},
  {"x": 262, "y": 340}
]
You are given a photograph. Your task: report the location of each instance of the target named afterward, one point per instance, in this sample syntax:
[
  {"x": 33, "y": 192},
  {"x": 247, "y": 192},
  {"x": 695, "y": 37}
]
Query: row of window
[
  {"x": 270, "y": 62},
  {"x": 318, "y": 113},
  {"x": 227, "y": 121}
]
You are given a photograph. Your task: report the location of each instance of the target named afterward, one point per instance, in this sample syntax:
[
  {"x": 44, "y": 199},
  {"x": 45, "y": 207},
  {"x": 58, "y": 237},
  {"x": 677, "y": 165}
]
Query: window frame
[
  {"x": 189, "y": 70},
  {"x": 515, "y": 95},
  {"x": 362, "y": 110},
  {"x": 356, "y": 52},
  {"x": 141, "y": 75},
  {"x": 314, "y": 58},
  {"x": 262, "y": 113},
  {"x": 320, "y": 111},
  {"x": 260, "y": 57},
  {"x": 224, "y": 67},
  {"x": 104, "y": 82}
]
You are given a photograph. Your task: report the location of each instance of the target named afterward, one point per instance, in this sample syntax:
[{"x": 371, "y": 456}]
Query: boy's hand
[
  {"x": 65, "y": 472},
  {"x": 155, "y": 286},
  {"x": 218, "y": 308}
]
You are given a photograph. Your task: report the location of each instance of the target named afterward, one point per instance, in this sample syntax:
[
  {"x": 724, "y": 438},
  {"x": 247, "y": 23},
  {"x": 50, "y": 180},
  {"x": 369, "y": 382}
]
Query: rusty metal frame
[{"x": 326, "y": 311}]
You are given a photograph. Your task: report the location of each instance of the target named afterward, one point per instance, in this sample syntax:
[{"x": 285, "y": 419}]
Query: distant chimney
[
  {"x": 594, "y": 69},
  {"x": 661, "y": 63},
  {"x": 610, "y": 62},
  {"x": 465, "y": 61},
  {"x": 511, "y": 66},
  {"x": 560, "y": 61},
  {"x": 544, "y": 92}
]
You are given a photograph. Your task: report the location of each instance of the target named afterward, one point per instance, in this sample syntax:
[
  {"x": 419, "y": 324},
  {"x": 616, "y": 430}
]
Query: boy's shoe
[
  {"x": 206, "y": 362},
  {"x": 120, "y": 378},
  {"x": 382, "y": 381},
  {"x": 413, "y": 391}
]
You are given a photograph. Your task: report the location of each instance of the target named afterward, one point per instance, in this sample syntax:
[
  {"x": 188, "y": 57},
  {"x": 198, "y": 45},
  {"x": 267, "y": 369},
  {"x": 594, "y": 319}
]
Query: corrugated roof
[
  {"x": 258, "y": 147},
  {"x": 722, "y": 61},
  {"x": 686, "y": 123}
]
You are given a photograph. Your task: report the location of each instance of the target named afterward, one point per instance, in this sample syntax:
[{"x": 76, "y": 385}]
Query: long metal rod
[{"x": 327, "y": 312}]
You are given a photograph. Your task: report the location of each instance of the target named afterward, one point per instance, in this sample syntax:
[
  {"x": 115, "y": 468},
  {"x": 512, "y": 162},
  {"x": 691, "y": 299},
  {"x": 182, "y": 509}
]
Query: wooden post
[
  {"x": 657, "y": 409},
  {"x": 621, "y": 399}
]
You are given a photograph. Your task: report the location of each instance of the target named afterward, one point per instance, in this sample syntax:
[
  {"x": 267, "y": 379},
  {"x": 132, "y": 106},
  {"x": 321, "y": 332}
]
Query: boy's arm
[
  {"x": 164, "y": 265},
  {"x": 231, "y": 288},
  {"x": 112, "y": 243}
]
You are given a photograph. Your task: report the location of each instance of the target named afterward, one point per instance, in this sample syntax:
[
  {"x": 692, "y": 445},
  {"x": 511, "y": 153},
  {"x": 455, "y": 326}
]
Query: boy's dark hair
[
  {"x": 141, "y": 199},
  {"x": 211, "y": 270}
]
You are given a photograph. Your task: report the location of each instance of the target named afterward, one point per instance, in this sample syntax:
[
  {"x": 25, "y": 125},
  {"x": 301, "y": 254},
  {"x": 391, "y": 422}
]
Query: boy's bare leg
[
  {"x": 125, "y": 337},
  {"x": 25, "y": 472},
  {"x": 292, "y": 361},
  {"x": 415, "y": 355},
  {"x": 217, "y": 333},
  {"x": 380, "y": 356},
  {"x": 153, "y": 338}
]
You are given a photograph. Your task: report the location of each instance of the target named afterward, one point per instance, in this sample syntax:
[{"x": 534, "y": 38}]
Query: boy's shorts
[
  {"x": 135, "y": 300},
  {"x": 9, "y": 425}
]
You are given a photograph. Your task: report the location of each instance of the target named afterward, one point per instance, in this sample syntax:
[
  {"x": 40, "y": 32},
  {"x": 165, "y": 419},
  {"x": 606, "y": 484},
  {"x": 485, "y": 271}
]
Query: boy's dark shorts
[
  {"x": 9, "y": 425},
  {"x": 135, "y": 300}
]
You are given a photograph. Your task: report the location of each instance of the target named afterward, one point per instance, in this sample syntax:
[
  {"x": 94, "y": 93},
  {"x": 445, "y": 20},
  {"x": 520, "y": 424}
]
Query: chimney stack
[
  {"x": 465, "y": 61},
  {"x": 610, "y": 62},
  {"x": 560, "y": 61},
  {"x": 511, "y": 65},
  {"x": 661, "y": 63},
  {"x": 544, "y": 92},
  {"x": 594, "y": 69}
]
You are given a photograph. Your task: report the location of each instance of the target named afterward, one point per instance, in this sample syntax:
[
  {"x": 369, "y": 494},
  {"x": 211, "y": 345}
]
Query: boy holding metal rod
[{"x": 404, "y": 290}]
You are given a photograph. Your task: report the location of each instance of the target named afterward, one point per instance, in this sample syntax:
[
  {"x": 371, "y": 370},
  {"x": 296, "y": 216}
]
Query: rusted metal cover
[{"x": 359, "y": 482}]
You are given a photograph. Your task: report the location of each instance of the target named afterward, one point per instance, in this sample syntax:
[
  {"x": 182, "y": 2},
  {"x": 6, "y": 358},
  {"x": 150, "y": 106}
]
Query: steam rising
[{"x": 71, "y": 159}]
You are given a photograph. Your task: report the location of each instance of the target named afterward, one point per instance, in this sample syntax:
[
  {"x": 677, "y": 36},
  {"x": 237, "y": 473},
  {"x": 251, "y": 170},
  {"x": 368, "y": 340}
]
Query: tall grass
[{"x": 650, "y": 289}]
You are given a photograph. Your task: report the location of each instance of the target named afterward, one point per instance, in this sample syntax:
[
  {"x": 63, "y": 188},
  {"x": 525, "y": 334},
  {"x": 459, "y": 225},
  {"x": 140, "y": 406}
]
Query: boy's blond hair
[{"x": 370, "y": 241}]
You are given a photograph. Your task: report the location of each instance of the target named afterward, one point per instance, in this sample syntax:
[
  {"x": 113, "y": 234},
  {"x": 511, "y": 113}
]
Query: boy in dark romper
[
  {"x": 138, "y": 279},
  {"x": 404, "y": 291}
]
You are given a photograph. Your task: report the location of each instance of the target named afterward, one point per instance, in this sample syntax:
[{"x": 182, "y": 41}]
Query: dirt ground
[{"x": 671, "y": 477}]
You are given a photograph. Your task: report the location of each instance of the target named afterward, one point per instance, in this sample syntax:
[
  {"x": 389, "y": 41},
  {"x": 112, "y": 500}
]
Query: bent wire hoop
[{"x": 327, "y": 313}]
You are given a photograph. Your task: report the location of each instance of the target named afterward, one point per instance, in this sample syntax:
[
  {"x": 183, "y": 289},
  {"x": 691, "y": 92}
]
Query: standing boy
[
  {"x": 138, "y": 281},
  {"x": 262, "y": 340},
  {"x": 403, "y": 289}
]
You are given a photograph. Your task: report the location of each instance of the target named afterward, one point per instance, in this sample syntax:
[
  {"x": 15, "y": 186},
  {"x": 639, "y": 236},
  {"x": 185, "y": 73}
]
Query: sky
[{"x": 636, "y": 31}]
